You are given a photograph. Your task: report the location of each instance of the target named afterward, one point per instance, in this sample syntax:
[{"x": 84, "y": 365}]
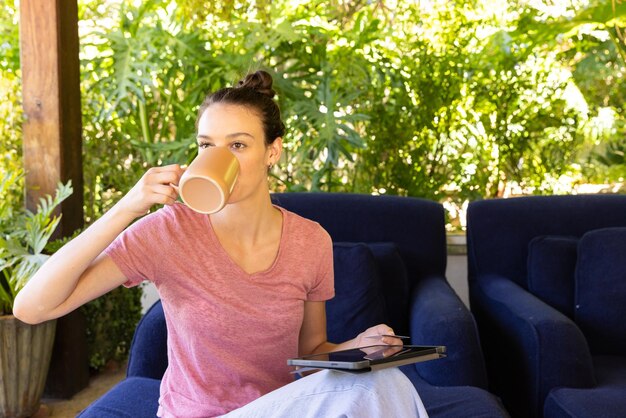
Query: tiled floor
[{"x": 98, "y": 385}]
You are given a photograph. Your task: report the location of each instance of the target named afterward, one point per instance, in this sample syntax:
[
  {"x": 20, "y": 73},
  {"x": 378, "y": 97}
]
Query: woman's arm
[
  {"x": 79, "y": 272},
  {"x": 313, "y": 337}
]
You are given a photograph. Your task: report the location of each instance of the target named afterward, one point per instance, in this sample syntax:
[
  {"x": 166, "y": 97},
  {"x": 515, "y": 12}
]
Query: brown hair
[{"x": 255, "y": 92}]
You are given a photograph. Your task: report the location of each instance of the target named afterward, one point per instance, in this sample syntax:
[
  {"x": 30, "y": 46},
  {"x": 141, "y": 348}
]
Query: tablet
[{"x": 370, "y": 358}]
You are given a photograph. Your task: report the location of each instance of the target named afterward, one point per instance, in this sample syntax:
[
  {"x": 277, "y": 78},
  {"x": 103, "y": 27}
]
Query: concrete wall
[
  {"x": 456, "y": 270},
  {"x": 456, "y": 273},
  {"x": 149, "y": 296}
]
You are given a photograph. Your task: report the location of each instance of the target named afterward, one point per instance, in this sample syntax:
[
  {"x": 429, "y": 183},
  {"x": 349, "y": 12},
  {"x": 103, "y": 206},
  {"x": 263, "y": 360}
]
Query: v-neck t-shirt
[{"x": 230, "y": 333}]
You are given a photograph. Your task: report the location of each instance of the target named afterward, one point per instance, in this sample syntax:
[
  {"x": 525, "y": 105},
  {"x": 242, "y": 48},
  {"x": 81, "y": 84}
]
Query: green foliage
[
  {"x": 23, "y": 238},
  {"x": 10, "y": 91},
  {"x": 376, "y": 100},
  {"x": 111, "y": 323},
  {"x": 9, "y": 37},
  {"x": 606, "y": 161},
  {"x": 612, "y": 157},
  {"x": 445, "y": 101},
  {"x": 591, "y": 44}
]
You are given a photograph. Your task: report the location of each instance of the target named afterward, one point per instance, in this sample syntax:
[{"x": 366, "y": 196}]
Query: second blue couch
[{"x": 548, "y": 289}]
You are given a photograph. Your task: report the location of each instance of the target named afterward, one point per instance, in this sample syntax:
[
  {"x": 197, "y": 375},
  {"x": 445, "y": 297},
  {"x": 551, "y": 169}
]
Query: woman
[{"x": 242, "y": 289}]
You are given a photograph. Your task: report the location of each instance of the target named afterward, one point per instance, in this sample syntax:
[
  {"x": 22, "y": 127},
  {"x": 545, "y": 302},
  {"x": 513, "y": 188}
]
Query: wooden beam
[
  {"x": 51, "y": 98},
  {"x": 53, "y": 153}
]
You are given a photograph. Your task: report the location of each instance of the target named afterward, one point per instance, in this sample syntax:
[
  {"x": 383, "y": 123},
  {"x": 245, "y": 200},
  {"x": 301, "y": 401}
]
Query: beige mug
[{"x": 208, "y": 182}]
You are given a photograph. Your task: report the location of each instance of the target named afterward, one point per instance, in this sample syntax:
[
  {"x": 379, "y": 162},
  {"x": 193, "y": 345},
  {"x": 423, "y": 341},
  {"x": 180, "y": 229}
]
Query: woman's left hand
[{"x": 379, "y": 334}]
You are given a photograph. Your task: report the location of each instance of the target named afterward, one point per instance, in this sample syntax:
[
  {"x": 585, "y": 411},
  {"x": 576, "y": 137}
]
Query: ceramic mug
[{"x": 208, "y": 182}]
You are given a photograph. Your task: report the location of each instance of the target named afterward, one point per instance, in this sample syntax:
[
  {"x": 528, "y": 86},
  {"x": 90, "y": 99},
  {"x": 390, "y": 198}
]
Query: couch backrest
[
  {"x": 416, "y": 226},
  {"x": 499, "y": 230},
  {"x": 600, "y": 290},
  {"x": 585, "y": 279}
]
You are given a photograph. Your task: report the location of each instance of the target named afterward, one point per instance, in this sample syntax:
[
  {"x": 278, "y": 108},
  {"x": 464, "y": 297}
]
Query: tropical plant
[
  {"x": 10, "y": 91},
  {"x": 606, "y": 160},
  {"x": 376, "y": 99},
  {"x": 613, "y": 156},
  {"x": 23, "y": 238},
  {"x": 590, "y": 43}
]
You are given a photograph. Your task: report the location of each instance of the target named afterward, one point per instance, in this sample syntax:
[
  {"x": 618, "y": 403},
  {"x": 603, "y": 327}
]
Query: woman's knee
[{"x": 390, "y": 377}]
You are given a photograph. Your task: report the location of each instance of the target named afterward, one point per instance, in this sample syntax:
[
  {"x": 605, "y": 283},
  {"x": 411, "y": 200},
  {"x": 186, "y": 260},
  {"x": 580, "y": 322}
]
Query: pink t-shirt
[{"x": 229, "y": 332}]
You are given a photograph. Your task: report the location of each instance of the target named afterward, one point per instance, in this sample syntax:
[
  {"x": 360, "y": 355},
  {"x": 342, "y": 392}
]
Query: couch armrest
[
  {"x": 439, "y": 317},
  {"x": 531, "y": 347}
]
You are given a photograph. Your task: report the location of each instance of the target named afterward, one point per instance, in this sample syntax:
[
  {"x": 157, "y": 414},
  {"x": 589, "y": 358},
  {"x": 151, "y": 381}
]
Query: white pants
[{"x": 384, "y": 393}]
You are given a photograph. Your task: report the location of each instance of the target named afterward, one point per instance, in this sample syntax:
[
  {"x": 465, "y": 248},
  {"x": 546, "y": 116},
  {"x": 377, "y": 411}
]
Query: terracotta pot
[{"x": 24, "y": 359}]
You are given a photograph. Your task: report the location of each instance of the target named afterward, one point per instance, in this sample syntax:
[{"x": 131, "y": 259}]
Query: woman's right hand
[{"x": 156, "y": 187}]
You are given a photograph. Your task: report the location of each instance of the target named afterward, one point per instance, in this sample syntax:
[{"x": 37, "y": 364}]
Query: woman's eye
[
  {"x": 238, "y": 145},
  {"x": 204, "y": 145}
]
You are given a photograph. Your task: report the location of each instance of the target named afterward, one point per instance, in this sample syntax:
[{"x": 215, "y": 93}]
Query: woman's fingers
[
  {"x": 164, "y": 175},
  {"x": 392, "y": 341},
  {"x": 170, "y": 167},
  {"x": 156, "y": 187},
  {"x": 386, "y": 334},
  {"x": 164, "y": 194}
]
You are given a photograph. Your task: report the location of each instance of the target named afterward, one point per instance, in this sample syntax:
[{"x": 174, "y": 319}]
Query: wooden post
[
  {"x": 51, "y": 97},
  {"x": 53, "y": 152}
]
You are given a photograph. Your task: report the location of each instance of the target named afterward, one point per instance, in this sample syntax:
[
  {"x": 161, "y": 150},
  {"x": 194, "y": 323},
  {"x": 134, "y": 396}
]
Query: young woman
[{"x": 252, "y": 272}]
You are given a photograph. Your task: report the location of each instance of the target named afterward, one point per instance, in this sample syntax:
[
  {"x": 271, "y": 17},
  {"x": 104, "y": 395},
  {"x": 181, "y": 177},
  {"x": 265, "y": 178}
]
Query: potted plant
[{"x": 26, "y": 349}]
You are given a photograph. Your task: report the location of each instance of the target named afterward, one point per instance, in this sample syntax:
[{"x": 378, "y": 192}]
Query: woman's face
[{"x": 241, "y": 131}]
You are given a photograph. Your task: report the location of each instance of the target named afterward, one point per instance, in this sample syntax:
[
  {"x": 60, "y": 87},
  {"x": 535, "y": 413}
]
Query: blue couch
[
  {"x": 548, "y": 289},
  {"x": 390, "y": 260}
]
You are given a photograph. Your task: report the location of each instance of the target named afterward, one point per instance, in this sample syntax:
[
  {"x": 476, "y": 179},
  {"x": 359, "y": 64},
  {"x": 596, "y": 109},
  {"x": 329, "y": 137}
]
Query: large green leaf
[{"x": 599, "y": 14}]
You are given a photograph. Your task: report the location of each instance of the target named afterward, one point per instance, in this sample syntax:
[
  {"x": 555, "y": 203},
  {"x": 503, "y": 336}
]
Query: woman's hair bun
[{"x": 260, "y": 81}]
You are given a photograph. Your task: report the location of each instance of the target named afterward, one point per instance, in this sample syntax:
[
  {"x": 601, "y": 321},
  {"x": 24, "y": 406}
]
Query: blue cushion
[
  {"x": 455, "y": 401},
  {"x": 551, "y": 267},
  {"x": 607, "y": 399},
  {"x": 358, "y": 303},
  {"x": 133, "y": 397},
  {"x": 394, "y": 284},
  {"x": 601, "y": 290}
]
